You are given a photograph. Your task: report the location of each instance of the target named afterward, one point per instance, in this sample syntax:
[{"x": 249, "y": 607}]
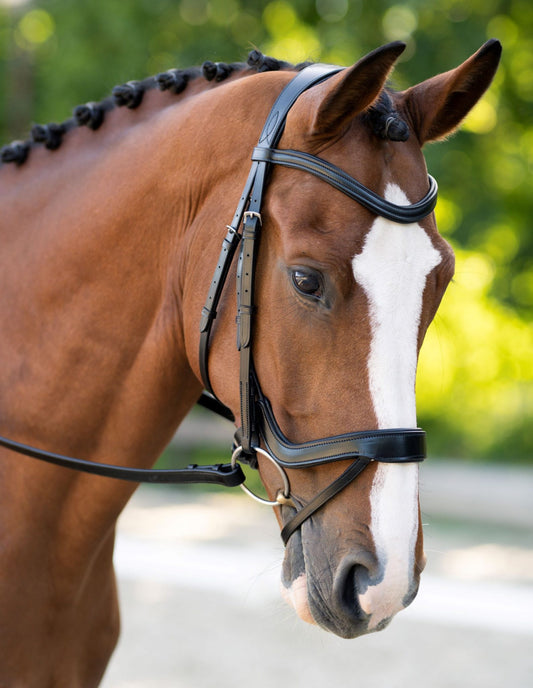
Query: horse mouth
[
  {"x": 349, "y": 597},
  {"x": 296, "y": 597}
]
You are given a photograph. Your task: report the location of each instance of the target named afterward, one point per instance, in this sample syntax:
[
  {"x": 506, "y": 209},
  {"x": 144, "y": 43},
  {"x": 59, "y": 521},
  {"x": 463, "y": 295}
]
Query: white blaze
[{"x": 392, "y": 269}]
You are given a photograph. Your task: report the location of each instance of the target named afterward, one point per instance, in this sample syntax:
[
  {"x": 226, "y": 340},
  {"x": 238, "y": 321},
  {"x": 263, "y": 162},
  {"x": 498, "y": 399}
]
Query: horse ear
[
  {"x": 353, "y": 90},
  {"x": 438, "y": 105}
]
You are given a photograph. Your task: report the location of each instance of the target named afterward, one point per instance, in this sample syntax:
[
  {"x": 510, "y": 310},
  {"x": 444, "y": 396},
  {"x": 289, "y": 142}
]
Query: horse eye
[{"x": 307, "y": 283}]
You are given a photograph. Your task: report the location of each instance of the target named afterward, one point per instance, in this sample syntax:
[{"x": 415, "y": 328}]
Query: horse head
[{"x": 343, "y": 298}]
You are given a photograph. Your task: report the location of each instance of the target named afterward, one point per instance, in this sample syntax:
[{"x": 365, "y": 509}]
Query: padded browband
[
  {"x": 398, "y": 445},
  {"x": 333, "y": 175}
]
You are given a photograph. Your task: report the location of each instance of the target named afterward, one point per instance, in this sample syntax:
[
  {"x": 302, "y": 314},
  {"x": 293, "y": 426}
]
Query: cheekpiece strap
[
  {"x": 249, "y": 212},
  {"x": 250, "y": 200}
]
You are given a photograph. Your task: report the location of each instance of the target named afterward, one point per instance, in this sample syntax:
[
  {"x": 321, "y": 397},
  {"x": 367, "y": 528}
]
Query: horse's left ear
[{"x": 437, "y": 106}]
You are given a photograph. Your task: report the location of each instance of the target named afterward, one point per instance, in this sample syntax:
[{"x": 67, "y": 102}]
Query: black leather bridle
[
  {"x": 258, "y": 424},
  {"x": 259, "y": 431}
]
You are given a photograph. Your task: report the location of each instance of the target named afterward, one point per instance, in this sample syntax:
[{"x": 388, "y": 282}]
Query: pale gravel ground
[{"x": 198, "y": 578}]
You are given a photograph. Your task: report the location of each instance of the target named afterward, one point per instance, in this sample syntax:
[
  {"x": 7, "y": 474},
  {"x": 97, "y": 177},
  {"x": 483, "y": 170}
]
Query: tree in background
[{"x": 476, "y": 371}]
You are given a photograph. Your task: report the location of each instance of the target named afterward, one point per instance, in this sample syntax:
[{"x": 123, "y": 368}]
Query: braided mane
[{"x": 381, "y": 117}]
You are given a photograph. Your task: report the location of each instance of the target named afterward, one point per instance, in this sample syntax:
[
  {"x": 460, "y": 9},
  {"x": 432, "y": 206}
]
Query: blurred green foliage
[{"x": 475, "y": 386}]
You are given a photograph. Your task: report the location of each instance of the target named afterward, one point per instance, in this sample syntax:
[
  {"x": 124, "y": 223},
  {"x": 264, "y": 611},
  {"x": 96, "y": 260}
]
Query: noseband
[
  {"x": 258, "y": 424},
  {"x": 259, "y": 431}
]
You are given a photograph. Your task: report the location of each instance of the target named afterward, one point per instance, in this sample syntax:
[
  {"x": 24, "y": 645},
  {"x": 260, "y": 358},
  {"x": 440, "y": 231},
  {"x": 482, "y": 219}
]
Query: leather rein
[{"x": 259, "y": 432}]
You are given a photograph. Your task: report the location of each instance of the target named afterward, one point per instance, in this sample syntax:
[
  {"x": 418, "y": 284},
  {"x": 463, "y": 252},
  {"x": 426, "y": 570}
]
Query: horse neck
[
  {"x": 107, "y": 253},
  {"x": 95, "y": 363}
]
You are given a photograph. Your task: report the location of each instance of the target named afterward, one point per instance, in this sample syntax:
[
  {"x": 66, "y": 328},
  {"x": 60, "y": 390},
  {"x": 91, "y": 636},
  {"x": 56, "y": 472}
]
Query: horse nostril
[
  {"x": 355, "y": 575},
  {"x": 348, "y": 591},
  {"x": 370, "y": 593}
]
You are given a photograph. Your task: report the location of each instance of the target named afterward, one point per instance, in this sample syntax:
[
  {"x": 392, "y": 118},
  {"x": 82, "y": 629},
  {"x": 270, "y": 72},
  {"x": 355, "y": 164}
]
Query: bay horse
[{"x": 111, "y": 228}]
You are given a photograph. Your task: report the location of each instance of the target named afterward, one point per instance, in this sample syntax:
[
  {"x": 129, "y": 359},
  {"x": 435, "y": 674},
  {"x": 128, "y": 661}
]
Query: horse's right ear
[
  {"x": 437, "y": 106},
  {"x": 352, "y": 90}
]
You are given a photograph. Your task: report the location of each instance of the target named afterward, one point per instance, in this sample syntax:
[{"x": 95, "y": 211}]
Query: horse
[{"x": 111, "y": 228}]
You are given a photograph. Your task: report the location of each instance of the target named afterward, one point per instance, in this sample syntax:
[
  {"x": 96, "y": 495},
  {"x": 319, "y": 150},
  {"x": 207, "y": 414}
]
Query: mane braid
[{"x": 130, "y": 95}]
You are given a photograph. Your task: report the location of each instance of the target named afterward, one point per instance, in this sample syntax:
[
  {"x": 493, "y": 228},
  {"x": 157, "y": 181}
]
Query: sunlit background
[
  {"x": 192, "y": 561},
  {"x": 475, "y": 391}
]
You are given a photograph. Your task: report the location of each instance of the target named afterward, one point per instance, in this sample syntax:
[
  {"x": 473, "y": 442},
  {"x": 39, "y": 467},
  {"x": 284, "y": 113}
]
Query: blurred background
[
  {"x": 189, "y": 561},
  {"x": 475, "y": 391}
]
